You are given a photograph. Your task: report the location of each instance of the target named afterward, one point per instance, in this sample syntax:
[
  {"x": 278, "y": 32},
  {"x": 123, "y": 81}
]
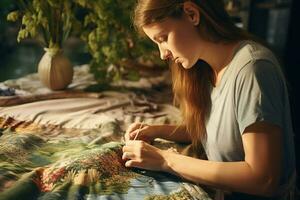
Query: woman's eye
[{"x": 162, "y": 39}]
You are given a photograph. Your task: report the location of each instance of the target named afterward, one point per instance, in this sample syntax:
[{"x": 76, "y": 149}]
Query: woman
[{"x": 233, "y": 99}]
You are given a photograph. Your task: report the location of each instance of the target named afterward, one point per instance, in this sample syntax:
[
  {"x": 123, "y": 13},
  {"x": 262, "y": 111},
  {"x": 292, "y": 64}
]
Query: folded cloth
[{"x": 89, "y": 113}]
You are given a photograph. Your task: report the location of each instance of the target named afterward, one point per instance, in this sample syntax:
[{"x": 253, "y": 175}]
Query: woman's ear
[{"x": 192, "y": 12}]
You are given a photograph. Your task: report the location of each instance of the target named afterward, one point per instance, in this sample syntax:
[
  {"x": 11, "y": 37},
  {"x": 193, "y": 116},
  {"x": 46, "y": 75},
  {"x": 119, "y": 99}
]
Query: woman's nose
[{"x": 165, "y": 54}]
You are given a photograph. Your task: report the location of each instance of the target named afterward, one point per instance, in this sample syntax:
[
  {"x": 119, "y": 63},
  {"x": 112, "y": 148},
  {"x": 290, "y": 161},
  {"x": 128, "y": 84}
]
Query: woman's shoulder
[
  {"x": 256, "y": 62},
  {"x": 249, "y": 51},
  {"x": 250, "y": 54}
]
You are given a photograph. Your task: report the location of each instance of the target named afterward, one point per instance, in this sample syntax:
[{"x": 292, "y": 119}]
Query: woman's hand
[
  {"x": 139, "y": 131},
  {"x": 140, "y": 154}
]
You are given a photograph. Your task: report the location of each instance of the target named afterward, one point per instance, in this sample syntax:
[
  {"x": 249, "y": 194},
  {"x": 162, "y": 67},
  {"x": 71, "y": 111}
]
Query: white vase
[{"x": 55, "y": 70}]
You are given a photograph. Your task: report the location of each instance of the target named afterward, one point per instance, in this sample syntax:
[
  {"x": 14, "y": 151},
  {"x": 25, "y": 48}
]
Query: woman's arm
[
  {"x": 150, "y": 132},
  {"x": 258, "y": 174},
  {"x": 174, "y": 133}
]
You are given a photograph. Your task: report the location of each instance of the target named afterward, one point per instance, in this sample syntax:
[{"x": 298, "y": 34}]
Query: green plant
[
  {"x": 53, "y": 19},
  {"x": 105, "y": 26},
  {"x": 112, "y": 41}
]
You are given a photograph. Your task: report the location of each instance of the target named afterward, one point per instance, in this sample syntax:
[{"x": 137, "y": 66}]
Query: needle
[{"x": 138, "y": 131}]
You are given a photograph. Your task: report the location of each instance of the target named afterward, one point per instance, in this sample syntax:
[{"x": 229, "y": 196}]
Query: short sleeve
[{"x": 259, "y": 94}]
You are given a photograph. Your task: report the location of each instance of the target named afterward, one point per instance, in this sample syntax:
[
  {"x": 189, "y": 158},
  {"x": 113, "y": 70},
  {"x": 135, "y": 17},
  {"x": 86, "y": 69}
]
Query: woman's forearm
[
  {"x": 233, "y": 176},
  {"x": 173, "y": 132}
]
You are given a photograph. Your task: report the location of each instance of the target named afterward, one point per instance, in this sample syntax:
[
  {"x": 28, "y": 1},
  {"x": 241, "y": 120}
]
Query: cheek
[
  {"x": 180, "y": 46},
  {"x": 185, "y": 43}
]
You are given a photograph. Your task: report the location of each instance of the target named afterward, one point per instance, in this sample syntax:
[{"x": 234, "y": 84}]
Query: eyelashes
[{"x": 162, "y": 39}]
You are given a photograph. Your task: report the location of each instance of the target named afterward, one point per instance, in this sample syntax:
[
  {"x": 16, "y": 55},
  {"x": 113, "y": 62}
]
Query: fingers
[
  {"x": 133, "y": 143},
  {"x": 132, "y": 150},
  {"x": 132, "y": 147},
  {"x": 131, "y": 128},
  {"x": 128, "y": 146},
  {"x": 139, "y": 154},
  {"x": 135, "y": 135},
  {"x": 133, "y": 131},
  {"x": 128, "y": 155},
  {"x": 130, "y": 136},
  {"x": 133, "y": 163}
]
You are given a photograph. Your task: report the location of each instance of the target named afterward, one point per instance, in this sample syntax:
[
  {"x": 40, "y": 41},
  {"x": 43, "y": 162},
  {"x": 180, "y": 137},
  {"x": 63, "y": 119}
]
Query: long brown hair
[{"x": 192, "y": 87}]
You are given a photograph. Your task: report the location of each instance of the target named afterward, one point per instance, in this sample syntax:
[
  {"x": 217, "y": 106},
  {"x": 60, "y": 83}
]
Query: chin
[{"x": 186, "y": 65}]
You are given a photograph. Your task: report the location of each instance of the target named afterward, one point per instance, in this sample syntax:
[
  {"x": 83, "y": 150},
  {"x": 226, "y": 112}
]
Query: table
[{"x": 67, "y": 144}]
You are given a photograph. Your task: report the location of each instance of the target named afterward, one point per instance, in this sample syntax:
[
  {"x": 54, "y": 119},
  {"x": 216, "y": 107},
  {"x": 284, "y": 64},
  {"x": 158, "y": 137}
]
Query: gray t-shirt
[{"x": 252, "y": 89}]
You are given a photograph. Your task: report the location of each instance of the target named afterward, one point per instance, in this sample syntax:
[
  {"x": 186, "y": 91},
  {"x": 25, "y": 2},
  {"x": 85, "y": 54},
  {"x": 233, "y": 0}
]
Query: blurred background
[
  {"x": 275, "y": 21},
  {"x": 19, "y": 59}
]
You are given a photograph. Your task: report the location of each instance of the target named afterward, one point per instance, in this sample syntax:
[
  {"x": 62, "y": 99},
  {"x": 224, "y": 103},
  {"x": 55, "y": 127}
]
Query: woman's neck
[{"x": 218, "y": 56}]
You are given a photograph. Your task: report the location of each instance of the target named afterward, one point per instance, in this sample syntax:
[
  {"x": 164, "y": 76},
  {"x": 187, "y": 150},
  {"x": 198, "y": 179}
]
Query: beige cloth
[
  {"x": 88, "y": 113},
  {"x": 30, "y": 84}
]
